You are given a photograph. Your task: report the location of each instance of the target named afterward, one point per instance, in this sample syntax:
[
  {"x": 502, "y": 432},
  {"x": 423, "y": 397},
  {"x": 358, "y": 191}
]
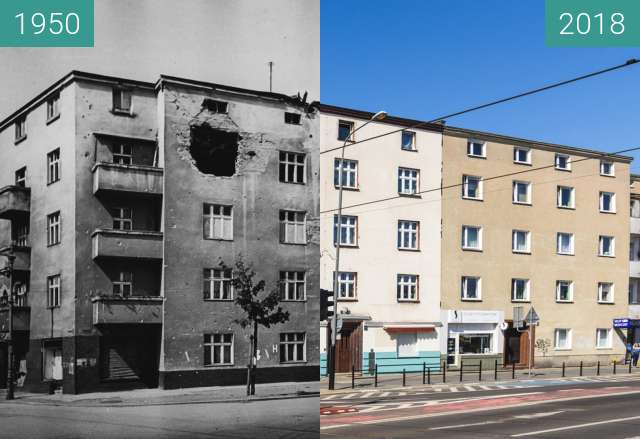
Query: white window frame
[
  {"x": 465, "y": 187},
  {"x": 350, "y": 225},
  {"x": 120, "y": 220},
  {"x": 124, "y": 95},
  {"x": 348, "y": 171},
  {"x": 470, "y": 152},
  {"x": 612, "y": 246},
  {"x": 53, "y": 108},
  {"x": 612, "y": 202},
  {"x": 352, "y": 126},
  {"x": 293, "y": 222},
  {"x": 559, "y": 247},
  {"x": 290, "y": 159},
  {"x": 527, "y": 151},
  {"x": 556, "y": 162},
  {"x": 53, "y": 166},
  {"x": 572, "y": 200},
  {"x": 220, "y": 223},
  {"x": 125, "y": 279},
  {"x": 217, "y": 278},
  {"x": 291, "y": 284},
  {"x": 288, "y": 340},
  {"x": 527, "y": 233},
  {"x": 21, "y": 177},
  {"x": 410, "y": 176},
  {"x": 529, "y": 186},
  {"x": 556, "y": 339},
  {"x": 611, "y": 292},
  {"x": 347, "y": 282},
  {"x": 407, "y": 285},
  {"x": 412, "y": 147},
  {"x": 634, "y": 208},
  {"x": 612, "y": 167},
  {"x": 53, "y": 291},
  {"x": 569, "y": 283},
  {"x": 123, "y": 154},
  {"x": 408, "y": 233},
  {"x": 20, "y": 128},
  {"x": 219, "y": 345},
  {"x": 465, "y": 238},
  {"x": 609, "y": 343},
  {"x": 464, "y": 293},
  {"x": 54, "y": 229},
  {"x": 527, "y": 290}
]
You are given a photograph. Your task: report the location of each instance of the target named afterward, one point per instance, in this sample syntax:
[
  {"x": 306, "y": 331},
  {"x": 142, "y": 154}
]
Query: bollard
[
  {"x": 480, "y": 371},
  {"x": 404, "y": 377},
  {"x": 376, "y": 378},
  {"x": 580, "y": 368},
  {"x": 495, "y": 371},
  {"x": 513, "y": 371},
  {"x": 444, "y": 372},
  {"x": 428, "y": 375},
  {"x": 353, "y": 377},
  {"x": 461, "y": 364},
  {"x": 614, "y": 366},
  {"x": 598, "y": 368},
  {"x": 424, "y": 367},
  {"x": 630, "y": 364},
  {"x": 563, "y": 369}
]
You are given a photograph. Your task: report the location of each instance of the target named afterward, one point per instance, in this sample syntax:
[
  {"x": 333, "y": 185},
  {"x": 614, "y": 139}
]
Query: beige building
[
  {"x": 634, "y": 253},
  {"x": 554, "y": 239}
]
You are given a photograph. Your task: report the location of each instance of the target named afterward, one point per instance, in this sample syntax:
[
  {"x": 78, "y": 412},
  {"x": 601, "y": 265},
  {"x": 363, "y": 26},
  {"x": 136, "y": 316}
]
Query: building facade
[
  {"x": 122, "y": 198},
  {"x": 389, "y": 280},
  {"x": 633, "y": 317}
]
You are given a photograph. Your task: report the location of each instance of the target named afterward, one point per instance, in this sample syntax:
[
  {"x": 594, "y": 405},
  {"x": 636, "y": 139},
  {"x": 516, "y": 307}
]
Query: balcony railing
[
  {"x": 22, "y": 261},
  {"x": 127, "y": 310},
  {"x": 126, "y": 244},
  {"x": 112, "y": 177},
  {"x": 21, "y": 318},
  {"x": 15, "y": 202}
]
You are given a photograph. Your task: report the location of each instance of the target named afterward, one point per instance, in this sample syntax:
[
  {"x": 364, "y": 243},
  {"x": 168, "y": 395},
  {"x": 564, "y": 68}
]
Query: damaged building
[{"x": 120, "y": 198}]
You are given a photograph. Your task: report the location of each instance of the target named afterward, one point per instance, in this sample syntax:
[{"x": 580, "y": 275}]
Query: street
[
  {"x": 552, "y": 409},
  {"x": 285, "y": 418}
]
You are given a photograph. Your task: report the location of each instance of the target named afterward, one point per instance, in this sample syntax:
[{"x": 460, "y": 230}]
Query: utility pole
[
  {"x": 270, "y": 76},
  {"x": 8, "y": 272}
]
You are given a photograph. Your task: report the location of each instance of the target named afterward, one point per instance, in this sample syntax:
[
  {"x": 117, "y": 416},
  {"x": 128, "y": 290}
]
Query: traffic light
[{"x": 326, "y": 304}]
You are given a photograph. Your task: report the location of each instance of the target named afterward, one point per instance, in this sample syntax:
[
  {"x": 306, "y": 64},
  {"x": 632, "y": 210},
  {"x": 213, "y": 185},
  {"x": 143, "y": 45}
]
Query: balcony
[
  {"x": 635, "y": 226},
  {"x": 112, "y": 177},
  {"x": 14, "y": 202},
  {"x": 22, "y": 261},
  {"x": 127, "y": 310},
  {"x": 126, "y": 244},
  {"x": 21, "y": 318}
]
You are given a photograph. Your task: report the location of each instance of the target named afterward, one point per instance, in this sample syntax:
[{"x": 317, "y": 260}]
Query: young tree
[{"x": 259, "y": 310}]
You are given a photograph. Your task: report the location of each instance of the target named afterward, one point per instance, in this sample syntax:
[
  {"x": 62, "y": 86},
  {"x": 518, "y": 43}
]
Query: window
[
  {"x": 53, "y": 166},
  {"x": 347, "y": 286},
  {"x": 563, "y": 162},
  {"x": 122, "y": 218},
  {"x": 407, "y": 344},
  {"x": 522, "y": 192},
  {"x": 123, "y": 286},
  {"x": 408, "y": 181},
  {"x": 292, "y": 285},
  {"x": 21, "y": 128},
  {"x": 565, "y": 197},
  {"x": 53, "y": 110},
  {"x": 564, "y": 291},
  {"x": 471, "y": 288},
  {"x": 344, "y": 130},
  {"x": 121, "y": 100},
  {"x": 603, "y": 338},
  {"x": 122, "y": 154},
  {"x": 53, "y": 291},
  {"x": 634, "y": 248},
  {"x": 348, "y": 173},
  {"x": 53, "y": 228},
  {"x": 605, "y": 292},
  {"x": 634, "y": 291},
  {"x": 607, "y": 202},
  {"x": 607, "y": 246},
  {"x": 218, "y": 221},
  {"x": 565, "y": 243},
  {"x": 348, "y": 230},
  {"x": 21, "y": 177},
  {"x": 215, "y": 106},
  {"x": 562, "y": 339},
  {"x": 217, "y": 284},
  {"x": 408, "y": 142},
  {"x": 407, "y": 289},
  {"x": 519, "y": 290},
  {"x": 292, "y": 167},
  {"x": 472, "y": 187},
  {"x": 475, "y": 343},
  {"x": 635, "y": 208},
  {"x": 20, "y": 232},
  {"x": 408, "y": 235},
  {"x": 292, "y": 118},
  {"x": 475, "y": 148},
  {"x": 292, "y": 347},
  {"x": 521, "y": 242},
  {"x": 293, "y": 227},
  {"x": 471, "y": 238},
  {"x": 522, "y": 155},
  {"x": 218, "y": 349},
  {"x": 607, "y": 168}
]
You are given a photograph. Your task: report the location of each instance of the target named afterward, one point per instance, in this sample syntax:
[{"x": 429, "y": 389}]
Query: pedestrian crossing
[{"x": 461, "y": 387}]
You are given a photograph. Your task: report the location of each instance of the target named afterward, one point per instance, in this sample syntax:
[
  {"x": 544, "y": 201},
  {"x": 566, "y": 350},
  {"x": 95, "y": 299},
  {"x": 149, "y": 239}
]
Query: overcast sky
[{"x": 224, "y": 41}]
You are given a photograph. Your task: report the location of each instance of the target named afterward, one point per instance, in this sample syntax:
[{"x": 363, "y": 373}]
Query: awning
[{"x": 427, "y": 327}]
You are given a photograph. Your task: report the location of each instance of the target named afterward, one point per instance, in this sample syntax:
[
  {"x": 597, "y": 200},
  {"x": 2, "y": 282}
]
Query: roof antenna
[{"x": 270, "y": 76}]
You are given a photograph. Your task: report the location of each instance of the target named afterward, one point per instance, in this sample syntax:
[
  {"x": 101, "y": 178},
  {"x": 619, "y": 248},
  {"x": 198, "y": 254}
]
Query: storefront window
[{"x": 475, "y": 344}]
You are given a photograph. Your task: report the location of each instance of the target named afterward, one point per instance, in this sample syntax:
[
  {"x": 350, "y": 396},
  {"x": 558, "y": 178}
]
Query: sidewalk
[{"x": 195, "y": 395}]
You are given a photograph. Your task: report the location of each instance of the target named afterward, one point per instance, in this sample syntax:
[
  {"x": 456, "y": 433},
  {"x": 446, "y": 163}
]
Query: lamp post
[
  {"x": 380, "y": 115},
  {"x": 8, "y": 272}
]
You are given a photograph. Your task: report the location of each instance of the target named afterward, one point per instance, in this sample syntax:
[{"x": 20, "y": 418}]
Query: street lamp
[
  {"x": 380, "y": 115},
  {"x": 8, "y": 272}
]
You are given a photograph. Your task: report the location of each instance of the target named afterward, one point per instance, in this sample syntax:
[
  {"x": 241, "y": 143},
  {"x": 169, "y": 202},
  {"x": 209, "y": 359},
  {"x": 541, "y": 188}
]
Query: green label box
[{"x": 46, "y": 23}]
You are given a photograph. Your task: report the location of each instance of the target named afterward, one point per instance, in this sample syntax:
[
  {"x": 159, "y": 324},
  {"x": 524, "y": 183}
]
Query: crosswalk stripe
[
  {"x": 438, "y": 389},
  {"x": 367, "y": 394},
  {"x": 470, "y": 388},
  {"x": 453, "y": 389},
  {"x": 384, "y": 394},
  {"x": 485, "y": 387},
  {"x": 326, "y": 398},
  {"x": 402, "y": 393},
  {"x": 350, "y": 395}
]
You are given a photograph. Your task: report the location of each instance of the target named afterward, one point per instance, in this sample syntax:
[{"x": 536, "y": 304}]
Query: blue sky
[{"x": 423, "y": 59}]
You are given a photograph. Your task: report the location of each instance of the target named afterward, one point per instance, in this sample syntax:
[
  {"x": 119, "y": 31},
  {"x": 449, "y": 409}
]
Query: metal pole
[
  {"x": 563, "y": 369},
  {"x": 10, "y": 376},
  {"x": 376, "y": 379},
  {"x": 530, "y": 349},
  {"x": 353, "y": 376},
  {"x": 513, "y": 370},
  {"x": 444, "y": 372},
  {"x": 630, "y": 364},
  {"x": 598, "y": 368},
  {"x": 614, "y": 367},
  {"x": 424, "y": 369},
  {"x": 495, "y": 371},
  {"x": 461, "y": 364},
  {"x": 480, "y": 371},
  {"x": 581, "y": 368},
  {"x": 428, "y": 375},
  {"x": 404, "y": 377}
]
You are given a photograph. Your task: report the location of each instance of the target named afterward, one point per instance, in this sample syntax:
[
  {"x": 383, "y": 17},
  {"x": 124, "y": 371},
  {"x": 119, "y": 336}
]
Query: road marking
[
  {"x": 470, "y": 388},
  {"x": 384, "y": 394},
  {"x": 350, "y": 395},
  {"x": 438, "y": 389},
  {"x": 367, "y": 394},
  {"x": 500, "y": 386},
  {"x": 485, "y": 387},
  {"x": 453, "y": 389},
  {"x": 573, "y": 427},
  {"x": 538, "y": 415},
  {"x": 402, "y": 393},
  {"x": 465, "y": 425},
  {"x": 326, "y": 398}
]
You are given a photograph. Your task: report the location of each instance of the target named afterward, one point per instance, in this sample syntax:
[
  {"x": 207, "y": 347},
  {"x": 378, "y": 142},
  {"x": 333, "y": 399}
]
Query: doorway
[
  {"x": 516, "y": 346},
  {"x": 349, "y": 347},
  {"x": 52, "y": 362}
]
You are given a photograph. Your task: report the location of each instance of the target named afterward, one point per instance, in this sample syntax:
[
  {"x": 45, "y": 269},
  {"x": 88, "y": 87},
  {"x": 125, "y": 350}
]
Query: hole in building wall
[{"x": 214, "y": 151}]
